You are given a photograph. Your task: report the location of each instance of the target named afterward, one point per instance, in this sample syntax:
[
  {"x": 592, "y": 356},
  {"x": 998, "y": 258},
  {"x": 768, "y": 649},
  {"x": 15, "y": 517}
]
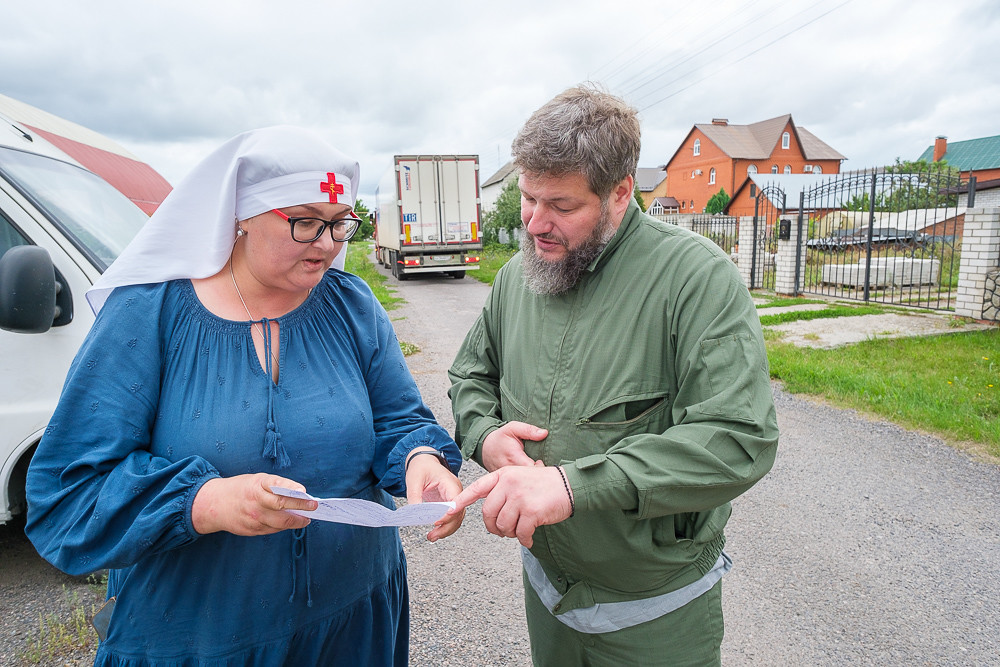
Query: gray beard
[{"x": 542, "y": 277}]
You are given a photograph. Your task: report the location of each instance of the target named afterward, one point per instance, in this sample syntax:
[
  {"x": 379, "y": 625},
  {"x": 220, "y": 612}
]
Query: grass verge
[
  {"x": 491, "y": 259},
  {"x": 359, "y": 263},
  {"x": 948, "y": 385}
]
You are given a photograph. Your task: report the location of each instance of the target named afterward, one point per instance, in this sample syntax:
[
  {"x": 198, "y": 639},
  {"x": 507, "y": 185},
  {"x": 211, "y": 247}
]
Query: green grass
[
  {"x": 948, "y": 385},
  {"x": 61, "y": 638},
  {"x": 832, "y": 311},
  {"x": 491, "y": 259},
  {"x": 778, "y": 301},
  {"x": 359, "y": 264}
]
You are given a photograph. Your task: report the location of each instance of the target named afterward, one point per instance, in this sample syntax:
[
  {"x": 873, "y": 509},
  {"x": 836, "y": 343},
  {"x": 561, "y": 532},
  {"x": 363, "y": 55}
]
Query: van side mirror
[{"x": 27, "y": 290}]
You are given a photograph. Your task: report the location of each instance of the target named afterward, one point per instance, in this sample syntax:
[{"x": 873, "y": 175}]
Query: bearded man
[{"x": 616, "y": 389}]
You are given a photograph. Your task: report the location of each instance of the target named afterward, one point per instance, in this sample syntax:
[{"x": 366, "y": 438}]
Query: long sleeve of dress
[
  {"x": 97, "y": 498},
  {"x": 401, "y": 419}
]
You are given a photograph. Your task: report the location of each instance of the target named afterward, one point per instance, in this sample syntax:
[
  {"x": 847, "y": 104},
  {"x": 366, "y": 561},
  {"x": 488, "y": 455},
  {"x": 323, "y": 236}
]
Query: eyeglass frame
[{"x": 327, "y": 224}]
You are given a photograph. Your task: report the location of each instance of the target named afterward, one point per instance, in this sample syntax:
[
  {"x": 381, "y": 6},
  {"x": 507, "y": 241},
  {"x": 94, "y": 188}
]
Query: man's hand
[
  {"x": 518, "y": 500},
  {"x": 245, "y": 505},
  {"x": 505, "y": 445},
  {"x": 427, "y": 480}
]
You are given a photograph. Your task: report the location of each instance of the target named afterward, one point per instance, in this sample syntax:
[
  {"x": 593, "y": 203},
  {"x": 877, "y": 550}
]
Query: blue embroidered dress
[{"x": 163, "y": 396}]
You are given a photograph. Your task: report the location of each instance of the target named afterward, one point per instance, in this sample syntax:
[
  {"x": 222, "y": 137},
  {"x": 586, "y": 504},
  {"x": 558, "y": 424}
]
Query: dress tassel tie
[
  {"x": 273, "y": 447},
  {"x": 300, "y": 551}
]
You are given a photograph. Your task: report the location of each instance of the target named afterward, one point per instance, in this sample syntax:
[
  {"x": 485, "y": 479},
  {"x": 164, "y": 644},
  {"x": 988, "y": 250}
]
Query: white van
[{"x": 61, "y": 226}]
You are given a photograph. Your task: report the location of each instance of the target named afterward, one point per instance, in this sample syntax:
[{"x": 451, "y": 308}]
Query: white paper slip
[{"x": 366, "y": 513}]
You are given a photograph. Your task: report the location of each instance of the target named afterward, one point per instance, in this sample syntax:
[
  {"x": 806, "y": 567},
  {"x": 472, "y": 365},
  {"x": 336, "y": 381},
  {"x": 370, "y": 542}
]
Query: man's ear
[{"x": 622, "y": 194}]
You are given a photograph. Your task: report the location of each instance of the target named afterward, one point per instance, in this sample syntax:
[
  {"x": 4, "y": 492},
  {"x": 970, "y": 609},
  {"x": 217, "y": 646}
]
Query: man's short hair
[{"x": 583, "y": 129}]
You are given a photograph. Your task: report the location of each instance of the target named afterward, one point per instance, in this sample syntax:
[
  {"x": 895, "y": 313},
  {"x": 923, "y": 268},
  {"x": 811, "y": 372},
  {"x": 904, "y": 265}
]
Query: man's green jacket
[{"x": 651, "y": 377}]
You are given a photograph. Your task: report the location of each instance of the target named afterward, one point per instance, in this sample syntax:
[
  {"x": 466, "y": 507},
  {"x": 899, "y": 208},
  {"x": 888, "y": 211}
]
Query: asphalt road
[{"x": 866, "y": 544}]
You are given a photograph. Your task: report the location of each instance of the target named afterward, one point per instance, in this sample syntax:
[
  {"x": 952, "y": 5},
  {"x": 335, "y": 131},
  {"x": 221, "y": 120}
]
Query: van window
[
  {"x": 10, "y": 236},
  {"x": 98, "y": 219}
]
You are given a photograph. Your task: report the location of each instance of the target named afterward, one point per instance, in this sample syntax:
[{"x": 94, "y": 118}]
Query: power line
[{"x": 738, "y": 60}]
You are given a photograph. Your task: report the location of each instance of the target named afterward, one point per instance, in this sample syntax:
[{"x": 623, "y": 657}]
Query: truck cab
[{"x": 61, "y": 226}]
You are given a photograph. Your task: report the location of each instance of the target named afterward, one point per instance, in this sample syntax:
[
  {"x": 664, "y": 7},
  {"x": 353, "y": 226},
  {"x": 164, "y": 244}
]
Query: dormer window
[
  {"x": 697, "y": 146},
  {"x": 785, "y": 140}
]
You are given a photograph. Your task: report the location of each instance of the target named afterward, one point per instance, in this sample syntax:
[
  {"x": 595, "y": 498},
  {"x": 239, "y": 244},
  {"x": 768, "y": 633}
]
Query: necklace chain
[{"x": 260, "y": 328}]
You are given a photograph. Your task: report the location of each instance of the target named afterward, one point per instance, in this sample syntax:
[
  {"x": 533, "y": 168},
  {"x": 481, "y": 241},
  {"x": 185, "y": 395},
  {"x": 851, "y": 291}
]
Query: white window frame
[
  {"x": 711, "y": 176},
  {"x": 751, "y": 169},
  {"x": 786, "y": 141},
  {"x": 788, "y": 168},
  {"x": 696, "y": 149}
]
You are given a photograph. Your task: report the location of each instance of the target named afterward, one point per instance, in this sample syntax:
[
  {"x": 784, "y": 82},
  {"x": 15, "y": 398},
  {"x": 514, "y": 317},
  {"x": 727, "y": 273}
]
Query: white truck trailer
[{"x": 428, "y": 217}]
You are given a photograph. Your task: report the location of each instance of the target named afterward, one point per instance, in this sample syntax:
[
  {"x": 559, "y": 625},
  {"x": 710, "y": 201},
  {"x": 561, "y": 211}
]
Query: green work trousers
[{"x": 689, "y": 636}]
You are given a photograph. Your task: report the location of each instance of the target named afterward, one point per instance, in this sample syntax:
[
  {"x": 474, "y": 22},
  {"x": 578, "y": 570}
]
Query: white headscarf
[{"x": 192, "y": 233}]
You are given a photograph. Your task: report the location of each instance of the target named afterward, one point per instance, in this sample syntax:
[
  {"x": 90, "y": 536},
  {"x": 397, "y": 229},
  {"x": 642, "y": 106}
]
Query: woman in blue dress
[{"x": 228, "y": 358}]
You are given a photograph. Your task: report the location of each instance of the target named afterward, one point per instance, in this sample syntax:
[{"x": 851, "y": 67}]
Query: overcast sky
[{"x": 875, "y": 79}]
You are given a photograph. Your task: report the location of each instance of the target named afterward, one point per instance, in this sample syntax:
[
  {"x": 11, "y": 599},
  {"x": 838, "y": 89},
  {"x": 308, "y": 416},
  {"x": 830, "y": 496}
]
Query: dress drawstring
[
  {"x": 300, "y": 550},
  {"x": 273, "y": 447}
]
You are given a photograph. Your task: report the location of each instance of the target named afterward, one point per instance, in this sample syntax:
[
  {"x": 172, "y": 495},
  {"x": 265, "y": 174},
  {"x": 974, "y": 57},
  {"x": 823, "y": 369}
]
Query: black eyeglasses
[{"x": 307, "y": 230}]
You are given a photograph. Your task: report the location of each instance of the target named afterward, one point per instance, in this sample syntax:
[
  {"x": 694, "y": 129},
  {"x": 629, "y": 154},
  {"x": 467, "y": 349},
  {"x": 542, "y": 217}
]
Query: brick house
[
  {"x": 973, "y": 157},
  {"x": 719, "y": 155},
  {"x": 651, "y": 182}
]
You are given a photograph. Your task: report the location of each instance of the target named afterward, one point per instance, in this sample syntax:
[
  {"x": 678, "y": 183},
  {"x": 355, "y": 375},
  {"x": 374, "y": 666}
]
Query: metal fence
[{"x": 885, "y": 236}]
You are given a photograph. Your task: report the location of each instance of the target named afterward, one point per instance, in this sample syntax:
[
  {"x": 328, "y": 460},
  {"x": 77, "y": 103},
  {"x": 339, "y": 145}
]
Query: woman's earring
[{"x": 240, "y": 232}]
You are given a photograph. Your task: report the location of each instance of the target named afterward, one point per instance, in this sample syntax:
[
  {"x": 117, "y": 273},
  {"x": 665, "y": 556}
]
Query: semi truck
[{"x": 428, "y": 215}]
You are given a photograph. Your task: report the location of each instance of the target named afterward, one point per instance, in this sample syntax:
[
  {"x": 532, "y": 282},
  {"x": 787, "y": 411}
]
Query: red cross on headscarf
[{"x": 332, "y": 187}]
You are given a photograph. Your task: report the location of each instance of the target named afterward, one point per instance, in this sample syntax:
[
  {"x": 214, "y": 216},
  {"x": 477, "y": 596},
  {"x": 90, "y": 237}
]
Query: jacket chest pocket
[{"x": 628, "y": 415}]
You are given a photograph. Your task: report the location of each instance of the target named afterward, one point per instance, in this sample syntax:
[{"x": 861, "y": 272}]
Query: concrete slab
[{"x": 838, "y": 331}]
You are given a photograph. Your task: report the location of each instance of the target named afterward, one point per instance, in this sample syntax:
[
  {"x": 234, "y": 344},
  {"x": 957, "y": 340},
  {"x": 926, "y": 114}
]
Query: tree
[
  {"x": 505, "y": 215},
  {"x": 638, "y": 198},
  {"x": 366, "y": 229},
  {"x": 717, "y": 203},
  {"x": 910, "y": 184}
]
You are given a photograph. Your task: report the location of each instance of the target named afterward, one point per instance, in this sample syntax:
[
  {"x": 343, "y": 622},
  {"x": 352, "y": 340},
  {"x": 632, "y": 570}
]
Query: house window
[
  {"x": 697, "y": 146},
  {"x": 817, "y": 169},
  {"x": 788, "y": 168},
  {"x": 711, "y": 176},
  {"x": 785, "y": 141},
  {"x": 751, "y": 170},
  {"x": 774, "y": 169}
]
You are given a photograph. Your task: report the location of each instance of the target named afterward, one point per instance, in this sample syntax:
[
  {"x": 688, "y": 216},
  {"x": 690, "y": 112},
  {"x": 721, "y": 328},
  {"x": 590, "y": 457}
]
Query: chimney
[
  {"x": 720, "y": 121},
  {"x": 940, "y": 147}
]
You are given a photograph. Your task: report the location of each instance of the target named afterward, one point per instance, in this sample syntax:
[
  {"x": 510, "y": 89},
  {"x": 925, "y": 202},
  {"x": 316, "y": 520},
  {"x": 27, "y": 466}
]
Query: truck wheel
[{"x": 458, "y": 275}]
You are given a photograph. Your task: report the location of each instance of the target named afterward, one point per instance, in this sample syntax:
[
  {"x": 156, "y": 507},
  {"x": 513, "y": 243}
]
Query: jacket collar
[{"x": 625, "y": 229}]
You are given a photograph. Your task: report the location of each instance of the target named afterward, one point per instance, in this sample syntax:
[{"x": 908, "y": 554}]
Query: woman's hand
[
  {"x": 245, "y": 505},
  {"x": 427, "y": 480}
]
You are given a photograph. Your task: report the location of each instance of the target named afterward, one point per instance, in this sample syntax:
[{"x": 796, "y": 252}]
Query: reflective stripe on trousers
[{"x": 611, "y": 616}]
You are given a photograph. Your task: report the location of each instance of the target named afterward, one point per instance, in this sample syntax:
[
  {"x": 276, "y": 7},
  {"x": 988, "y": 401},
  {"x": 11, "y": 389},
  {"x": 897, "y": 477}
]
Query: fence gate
[
  {"x": 885, "y": 236},
  {"x": 769, "y": 205}
]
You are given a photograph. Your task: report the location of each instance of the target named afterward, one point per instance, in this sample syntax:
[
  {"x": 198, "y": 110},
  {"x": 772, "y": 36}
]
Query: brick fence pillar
[
  {"x": 744, "y": 259},
  {"x": 784, "y": 260},
  {"x": 980, "y": 257}
]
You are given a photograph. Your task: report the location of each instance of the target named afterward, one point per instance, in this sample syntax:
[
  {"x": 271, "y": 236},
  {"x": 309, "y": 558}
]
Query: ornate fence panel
[
  {"x": 721, "y": 229},
  {"x": 885, "y": 236},
  {"x": 769, "y": 206}
]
